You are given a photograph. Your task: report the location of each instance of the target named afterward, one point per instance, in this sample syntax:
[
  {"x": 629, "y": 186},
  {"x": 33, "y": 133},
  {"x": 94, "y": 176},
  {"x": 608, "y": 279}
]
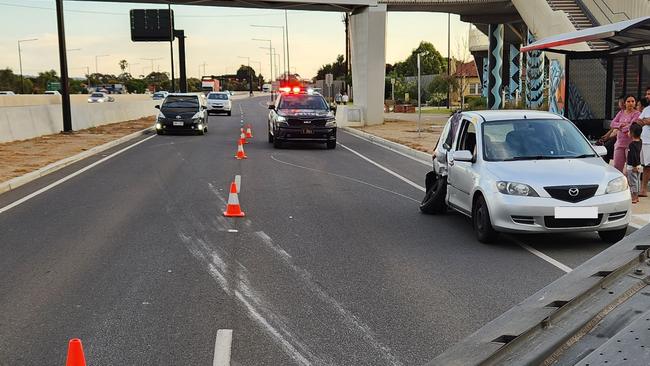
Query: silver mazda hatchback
[{"x": 527, "y": 172}]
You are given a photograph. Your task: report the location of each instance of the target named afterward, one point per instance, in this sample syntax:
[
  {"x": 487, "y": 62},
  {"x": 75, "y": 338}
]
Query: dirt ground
[
  {"x": 20, "y": 157},
  {"x": 405, "y": 132}
]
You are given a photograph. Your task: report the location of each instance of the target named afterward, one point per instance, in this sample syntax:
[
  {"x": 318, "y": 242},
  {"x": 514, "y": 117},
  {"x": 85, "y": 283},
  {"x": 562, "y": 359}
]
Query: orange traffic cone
[
  {"x": 233, "y": 209},
  {"x": 242, "y": 137},
  {"x": 249, "y": 133},
  {"x": 240, "y": 151},
  {"x": 75, "y": 354}
]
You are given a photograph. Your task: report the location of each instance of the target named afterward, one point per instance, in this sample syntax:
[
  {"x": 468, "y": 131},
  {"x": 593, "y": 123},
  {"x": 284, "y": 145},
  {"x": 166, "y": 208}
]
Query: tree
[
  {"x": 136, "y": 85},
  {"x": 123, "y": 65},
  {"x": 462, "y": 71},
  {"x": 338, "y": 69},
  {"x": 41, "y": 81},
  {"x": 440, "y": 85},
  {"x": 193, "y": 85},
  {"x": 431, "y": 62},
  {"x": 245, "y": 72}
]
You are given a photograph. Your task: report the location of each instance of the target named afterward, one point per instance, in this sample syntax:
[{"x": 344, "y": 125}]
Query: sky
[{"x": 220, "y": 38}]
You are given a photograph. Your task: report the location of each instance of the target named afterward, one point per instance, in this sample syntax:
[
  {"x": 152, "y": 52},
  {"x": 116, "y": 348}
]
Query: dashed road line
[{"x": 222, "y": 348}]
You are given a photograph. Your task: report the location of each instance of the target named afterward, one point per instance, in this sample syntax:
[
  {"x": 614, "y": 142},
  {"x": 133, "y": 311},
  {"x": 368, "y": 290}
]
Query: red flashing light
[{"x": 285, "y": 89}]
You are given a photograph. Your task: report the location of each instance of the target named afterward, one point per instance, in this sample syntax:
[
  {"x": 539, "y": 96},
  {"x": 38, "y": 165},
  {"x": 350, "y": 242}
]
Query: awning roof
[{"x": 622, "y": 35}]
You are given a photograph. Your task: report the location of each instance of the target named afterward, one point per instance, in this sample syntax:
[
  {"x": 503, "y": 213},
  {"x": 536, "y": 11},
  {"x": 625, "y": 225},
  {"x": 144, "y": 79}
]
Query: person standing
[
  {"x": 634, "y": 167},
  {"x": 609, "y": 138},
  {"x": 644, "y": 120},
  {"x": 345, "y": 98},
  {"x": 621, "y": 125}
]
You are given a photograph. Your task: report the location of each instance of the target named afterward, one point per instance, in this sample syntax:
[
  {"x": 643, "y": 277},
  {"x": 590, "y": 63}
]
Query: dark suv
[
  {"x": 182, "y": 112},
  {"x": 301, "y": 116}
]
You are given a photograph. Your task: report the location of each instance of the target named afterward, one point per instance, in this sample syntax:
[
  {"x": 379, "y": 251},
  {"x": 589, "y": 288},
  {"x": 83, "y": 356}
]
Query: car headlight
[
  {"x": 197, "y": 115},
  {"x": 617, "y": 185},
  {"x": 281, "y": 119},
  {"x": 90, "y": 100},
  {"x": 516, "y": 189},
  {"x": 199, "y": 127},
  {"x": 330, "y": 123},
  {"x": 158, "y": 126}
]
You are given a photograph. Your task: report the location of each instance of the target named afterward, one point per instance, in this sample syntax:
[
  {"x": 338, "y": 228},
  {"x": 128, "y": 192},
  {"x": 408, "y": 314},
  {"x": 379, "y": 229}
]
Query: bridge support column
[
  {"x": 495, "y": 62},
  {"x": 369, "y": 61}
]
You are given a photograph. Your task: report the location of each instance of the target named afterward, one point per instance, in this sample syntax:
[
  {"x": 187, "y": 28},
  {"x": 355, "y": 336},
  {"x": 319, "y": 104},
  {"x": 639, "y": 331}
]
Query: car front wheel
[
  {"x": 434, "y": 198},
  {"x": 485, "y": 233},
  {"x": 612, "y": 236}
]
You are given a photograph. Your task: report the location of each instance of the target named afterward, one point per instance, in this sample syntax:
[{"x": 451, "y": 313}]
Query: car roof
[
  {"x": 182, "y": 95},
  {"x": 515, "y": 114}
]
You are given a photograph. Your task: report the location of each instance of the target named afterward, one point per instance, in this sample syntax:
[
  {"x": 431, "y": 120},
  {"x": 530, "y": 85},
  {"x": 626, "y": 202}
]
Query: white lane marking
[
  {"x": 238, "y": 183},
  {"x": 427, "y": 163},
  {"x": 233, "y": 231},
  {"x": 66, "y": 178},
  {"x": 533, "y": 251},
  {"x": 222, "y": 348},
  {"x": 408, "y": 181},
  {"x": 343, "y": 177},
  {"x": 543, "y": 256}
]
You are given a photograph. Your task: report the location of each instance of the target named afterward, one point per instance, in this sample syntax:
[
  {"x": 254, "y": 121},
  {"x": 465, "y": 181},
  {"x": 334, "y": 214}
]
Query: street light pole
[
  {"x": 419, "y": 98},
  {"x": 270, "y": 57},
  {"x": 284, "y": 64},
  {"x": 286, "y": 29},
  {"x": 96, "y": 57},
  {"x": 20, "y": 62}
]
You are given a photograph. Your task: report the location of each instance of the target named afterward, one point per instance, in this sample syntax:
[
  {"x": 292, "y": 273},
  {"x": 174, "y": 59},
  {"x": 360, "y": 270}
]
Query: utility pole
[
  {"x": 152, "y": 60},
  {"x": 204, "y": 65},
  {"x": 63, "y": 61},
  {"x": 270, "y": 57},
  {"x": 284, "y": 64},
  {"x": 171, "y": 44},
  {"x": 96, "y": 67},
  {"x": 286, "y": 29},
  {"x": 20, "y": 61}
]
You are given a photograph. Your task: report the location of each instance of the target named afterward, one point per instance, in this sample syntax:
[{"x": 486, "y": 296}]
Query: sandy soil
[
  {"x": 405, "y": 132},
  {"x": 21, "y": 157}
]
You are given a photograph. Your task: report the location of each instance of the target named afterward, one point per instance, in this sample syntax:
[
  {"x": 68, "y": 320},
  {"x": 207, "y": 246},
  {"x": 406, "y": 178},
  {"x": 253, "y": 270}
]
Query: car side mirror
[
  {"x": 463, "y": 155},
  {"x": 600, "y": 150},
  {"x": 446, "y": 146},
  {"x": 157, "y": 106},
  {"x": 272, "y": 106}
]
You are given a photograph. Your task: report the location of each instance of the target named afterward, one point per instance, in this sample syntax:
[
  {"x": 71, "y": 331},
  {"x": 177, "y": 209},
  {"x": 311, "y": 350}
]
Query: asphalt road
[{"x": 332, "y": 265}]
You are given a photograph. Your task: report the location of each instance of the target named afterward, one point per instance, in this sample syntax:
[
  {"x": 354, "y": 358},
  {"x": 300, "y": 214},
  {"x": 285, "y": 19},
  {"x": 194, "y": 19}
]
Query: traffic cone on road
[
  {"x": 249, "y": 133},
  {"x": 233, "y": 209},
  {"x": 240, "y": 151},
  {"x": 75, "y": 353},
  {"x": 242, "y": 137}
]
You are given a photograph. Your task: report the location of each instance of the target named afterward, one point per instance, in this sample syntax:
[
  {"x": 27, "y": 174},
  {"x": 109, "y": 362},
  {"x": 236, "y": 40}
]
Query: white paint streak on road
[
  {"x": 543, "y": 256},
  {"x": 222, "y": 348},
  {"x": 276, "y": 248}
]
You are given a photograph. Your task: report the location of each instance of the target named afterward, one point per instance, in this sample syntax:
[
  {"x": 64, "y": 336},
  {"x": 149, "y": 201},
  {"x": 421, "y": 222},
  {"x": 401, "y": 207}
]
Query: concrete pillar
[
  {"x": 486, "y": 76},
  {"x": 368, "y": 33},
  {"x": 514, "y": 82},
  {"x": 495, "y": 55},
  {"x": 534, "y": 76}
]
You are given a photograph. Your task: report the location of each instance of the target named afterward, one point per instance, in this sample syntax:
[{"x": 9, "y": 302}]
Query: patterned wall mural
[
  {"x": 514, "y": 85},
  {"x": 556, "y": 95},
  {"x": 495, "y": 54},
  {"x": 534, "y": 76}
]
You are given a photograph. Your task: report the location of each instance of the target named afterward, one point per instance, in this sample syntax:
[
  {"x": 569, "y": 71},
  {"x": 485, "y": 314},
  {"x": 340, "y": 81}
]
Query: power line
[{"x": 123, "y": 14}]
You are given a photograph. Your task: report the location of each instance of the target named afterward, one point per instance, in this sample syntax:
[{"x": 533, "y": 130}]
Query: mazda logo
[{"x": 573, "y": 192}]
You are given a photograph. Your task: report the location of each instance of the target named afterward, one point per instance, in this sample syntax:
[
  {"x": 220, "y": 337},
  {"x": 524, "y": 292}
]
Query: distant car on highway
[
  {"x": 527, "y": 172},
  {"x": 7, "y": 93},
  {"x": 52, "y": 92},
  {"x": 159, "y": 95},
  {"x": 298, "y": 115},
  {"x": 100, "y": 98},
  {"x": 219, "y": 102},
  {"x": 266, "y": 88},
  {"x": 182, "y": 112}
]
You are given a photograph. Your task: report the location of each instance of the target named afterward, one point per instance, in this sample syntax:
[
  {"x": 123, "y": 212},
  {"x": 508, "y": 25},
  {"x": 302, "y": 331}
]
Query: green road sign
[{"x": 53, "y": 85}]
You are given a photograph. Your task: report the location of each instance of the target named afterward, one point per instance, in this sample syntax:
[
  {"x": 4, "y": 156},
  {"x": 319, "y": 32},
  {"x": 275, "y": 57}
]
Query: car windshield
[
  {"x": 97, "y": 95},
  {"x": 181, "y": 102},
  {"x": 218, "y": 96},
  {"x": 158, "y": 94},
  {"x": 302, "y": 101},
  {"x": 533, "y": 139}
]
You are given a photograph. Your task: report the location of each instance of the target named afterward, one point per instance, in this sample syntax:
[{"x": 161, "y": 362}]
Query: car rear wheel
[
  {"x": 485, "y": 233},
  {"x": 434, "y": 198},
  {"x": 612, "y": 236},
  {"x": 331, "y": 144}
]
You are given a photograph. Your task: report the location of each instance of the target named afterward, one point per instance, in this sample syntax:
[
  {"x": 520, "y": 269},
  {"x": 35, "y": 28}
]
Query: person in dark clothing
[{"x": 634, "y": 167}]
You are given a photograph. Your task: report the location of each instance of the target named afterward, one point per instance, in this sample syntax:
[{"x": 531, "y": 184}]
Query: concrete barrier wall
[
  {"x": 40, "y": 99},
  {"x": 32, "y": 120}
]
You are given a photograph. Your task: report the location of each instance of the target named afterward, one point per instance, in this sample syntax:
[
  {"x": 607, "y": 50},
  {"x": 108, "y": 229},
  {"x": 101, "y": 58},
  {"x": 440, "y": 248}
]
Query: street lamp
[
  {"x": 420, "y": 54},
  {"x": 259, "y": 71},
  {"x": 96, "y": 57},
  {"x": 151, "y": 60},
  {"x": 270, "y": 57},
  {"x": 284, "y": 52},
  {"x": 20, "y": 62}
]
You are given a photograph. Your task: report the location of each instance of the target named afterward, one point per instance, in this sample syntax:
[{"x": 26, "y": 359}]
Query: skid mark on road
[{"x": 343, "y": 177}]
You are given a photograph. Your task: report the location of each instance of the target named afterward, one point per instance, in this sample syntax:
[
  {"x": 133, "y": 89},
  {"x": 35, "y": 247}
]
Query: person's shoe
[{"x": 643, "y": 195}]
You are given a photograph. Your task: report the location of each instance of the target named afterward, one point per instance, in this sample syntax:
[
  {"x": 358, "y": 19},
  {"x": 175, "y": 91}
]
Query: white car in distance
[{"x": 219, "y": 102}]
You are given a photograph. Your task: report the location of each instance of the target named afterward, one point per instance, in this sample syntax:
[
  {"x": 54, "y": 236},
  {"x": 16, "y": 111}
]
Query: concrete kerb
[
  {"x": 50, "y": 168},
  {"x": 420, "y": 156}
]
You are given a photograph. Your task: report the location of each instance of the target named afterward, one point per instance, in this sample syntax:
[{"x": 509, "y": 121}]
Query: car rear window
[
  {"x": 218, "y": 96},
  {"x": 97, "y": 95},
  {"x": 302, "y": 101},
  {"x": 177, "y": 101}
]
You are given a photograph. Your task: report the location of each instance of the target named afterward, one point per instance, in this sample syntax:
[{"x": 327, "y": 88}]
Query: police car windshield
[{"x": 302, "y": 101}]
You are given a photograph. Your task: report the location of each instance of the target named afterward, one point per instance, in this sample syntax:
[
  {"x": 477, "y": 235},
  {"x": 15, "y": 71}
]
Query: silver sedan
[{"x": 525, "y": 171}]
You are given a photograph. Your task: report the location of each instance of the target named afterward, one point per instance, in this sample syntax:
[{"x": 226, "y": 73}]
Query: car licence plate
[
  {"x": 576, "y": 212},
  {"x": 307, "y": 131},
  {"x": 178, "y": 123}
]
